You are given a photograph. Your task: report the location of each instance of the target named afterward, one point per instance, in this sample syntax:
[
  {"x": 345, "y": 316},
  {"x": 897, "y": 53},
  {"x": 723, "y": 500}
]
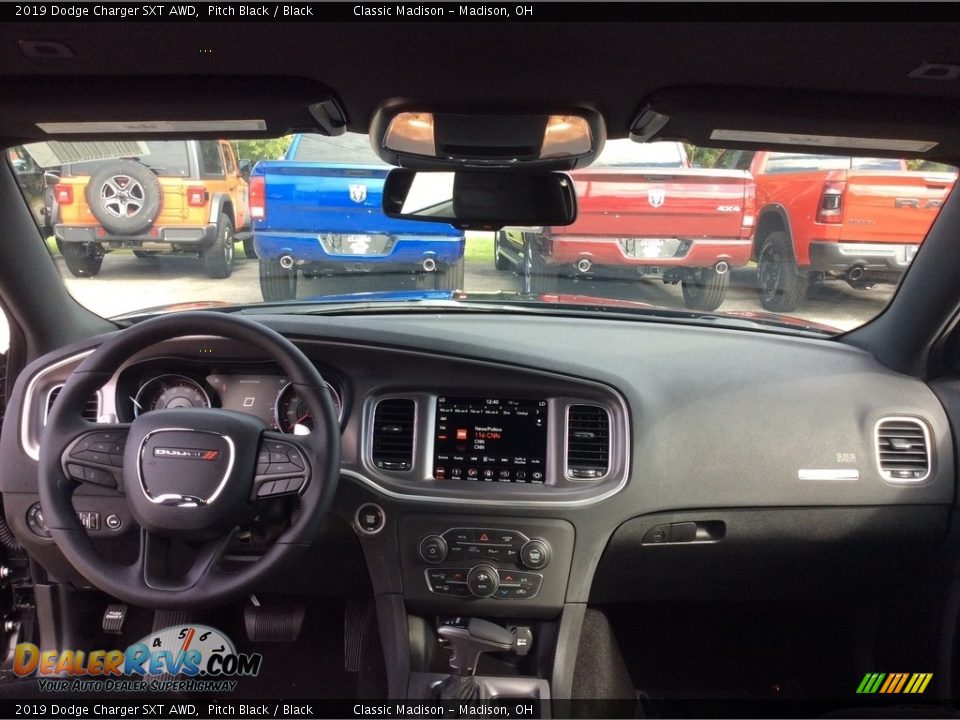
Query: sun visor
[
  {"x": 781, "y": 119},
  {"x": 87, "y": 108}
]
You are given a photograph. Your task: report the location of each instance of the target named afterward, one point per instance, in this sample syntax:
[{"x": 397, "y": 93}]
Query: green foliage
[
  {"x": 701, "y": 156},
  {"x": 254, "y": 150}
]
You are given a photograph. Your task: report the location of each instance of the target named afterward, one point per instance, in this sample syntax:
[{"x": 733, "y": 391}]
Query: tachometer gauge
[
  {"x": 165, "y": 392},
  {"x": 292, "y": 412}
]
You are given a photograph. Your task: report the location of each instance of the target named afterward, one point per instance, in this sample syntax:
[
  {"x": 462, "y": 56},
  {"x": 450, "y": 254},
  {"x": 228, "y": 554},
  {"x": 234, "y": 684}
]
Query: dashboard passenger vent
[
  {"x": 393, "y": 422},
  {"x": 91, "y": 412},
  {"x": 903, "y": 449},
  {"x": 588, "y": 442}
]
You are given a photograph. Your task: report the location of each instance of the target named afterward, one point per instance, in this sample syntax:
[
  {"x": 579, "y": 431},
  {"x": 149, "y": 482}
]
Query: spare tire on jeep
[{"x": 125, "y": 197}]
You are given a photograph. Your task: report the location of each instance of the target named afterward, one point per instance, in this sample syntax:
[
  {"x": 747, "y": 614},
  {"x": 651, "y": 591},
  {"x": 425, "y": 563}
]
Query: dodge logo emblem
[
  {"x": 656, "y": 196},
  {"x": 186, "y": 453},
  {"x": 358, "y": 193}
]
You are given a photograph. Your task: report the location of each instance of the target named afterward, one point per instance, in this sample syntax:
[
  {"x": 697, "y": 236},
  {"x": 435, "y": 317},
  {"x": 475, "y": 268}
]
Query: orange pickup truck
[{"x": 827, "y": 216}]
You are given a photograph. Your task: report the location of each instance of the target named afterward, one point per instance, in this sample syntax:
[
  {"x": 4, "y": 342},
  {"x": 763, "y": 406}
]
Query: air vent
[
  {"x": 90, "y": 413},
  {"x": 393, "y": 422},
  {"x": 588, "y": 442},
  {"x": 903, "y": 449}
]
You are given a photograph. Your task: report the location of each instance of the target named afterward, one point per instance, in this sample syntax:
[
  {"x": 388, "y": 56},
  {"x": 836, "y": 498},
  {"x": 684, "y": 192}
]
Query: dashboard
[{"x": 561, "y": 472}]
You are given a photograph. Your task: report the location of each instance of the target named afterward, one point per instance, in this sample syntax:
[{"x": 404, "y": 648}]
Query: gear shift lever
[{"x": 479, "y": 636}]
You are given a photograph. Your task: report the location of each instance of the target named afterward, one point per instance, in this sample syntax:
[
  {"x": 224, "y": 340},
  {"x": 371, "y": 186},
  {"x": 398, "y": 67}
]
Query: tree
[
  {"x": 254, "y": 150},
  {"x": 702, "y": 156}
]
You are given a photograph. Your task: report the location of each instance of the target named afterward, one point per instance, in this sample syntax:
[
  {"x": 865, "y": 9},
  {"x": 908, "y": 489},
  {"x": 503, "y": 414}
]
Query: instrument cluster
[{"x": 256, "y": 391}]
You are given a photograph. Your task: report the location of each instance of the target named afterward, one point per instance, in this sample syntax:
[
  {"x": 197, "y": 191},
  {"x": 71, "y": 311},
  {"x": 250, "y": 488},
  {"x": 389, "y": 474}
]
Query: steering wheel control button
[
  {"x": 433, "y": 549},
  {"x": 370, "y": 518},
  {"x": 113, "y": 522},
  {"x": 535, "y": 554},
  {"x": 294, "y": 484},
  {"x": 483, "y": 581}
]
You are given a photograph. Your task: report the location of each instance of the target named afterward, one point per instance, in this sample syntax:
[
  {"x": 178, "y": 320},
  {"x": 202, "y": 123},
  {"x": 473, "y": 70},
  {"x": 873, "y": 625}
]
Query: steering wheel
[{"x": 190, "y": 477}]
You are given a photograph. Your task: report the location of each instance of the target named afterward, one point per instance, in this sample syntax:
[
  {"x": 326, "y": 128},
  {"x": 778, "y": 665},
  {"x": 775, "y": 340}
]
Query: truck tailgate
[
  {"x": 894, "y": 207},
  {"x": 639, "y": 202},
  {"x": 307, "y": 197}
]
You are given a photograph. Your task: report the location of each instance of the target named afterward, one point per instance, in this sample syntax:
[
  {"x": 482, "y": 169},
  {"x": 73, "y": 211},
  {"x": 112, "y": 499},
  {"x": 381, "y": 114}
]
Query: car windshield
[
  {"x": 626, "y": 153},
  {"x": 779, "y": 241}
]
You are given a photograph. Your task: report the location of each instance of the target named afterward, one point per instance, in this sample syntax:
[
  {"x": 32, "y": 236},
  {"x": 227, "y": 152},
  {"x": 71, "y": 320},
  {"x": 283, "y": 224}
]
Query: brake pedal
[{"x": 276, "y": 622}]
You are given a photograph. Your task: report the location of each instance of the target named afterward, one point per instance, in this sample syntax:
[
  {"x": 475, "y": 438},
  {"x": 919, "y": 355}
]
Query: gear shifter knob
[{"x": 479, "y": 636}]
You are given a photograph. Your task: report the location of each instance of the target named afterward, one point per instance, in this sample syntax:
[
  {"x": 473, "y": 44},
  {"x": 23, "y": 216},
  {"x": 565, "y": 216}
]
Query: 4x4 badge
[{"x": 358, "y": 193}]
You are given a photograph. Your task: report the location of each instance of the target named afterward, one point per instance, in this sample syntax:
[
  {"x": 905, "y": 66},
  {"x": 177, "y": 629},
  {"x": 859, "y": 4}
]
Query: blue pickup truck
[{"x": 318, "y": 211}]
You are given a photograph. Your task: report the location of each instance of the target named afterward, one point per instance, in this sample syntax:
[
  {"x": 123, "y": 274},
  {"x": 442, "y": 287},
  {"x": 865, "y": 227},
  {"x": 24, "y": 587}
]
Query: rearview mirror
[{"x": 480, "y": 200}]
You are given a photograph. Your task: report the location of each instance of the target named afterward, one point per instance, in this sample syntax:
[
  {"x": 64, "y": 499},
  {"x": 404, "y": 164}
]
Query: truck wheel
[
  {"x": 218, "y": 257},
  {"x": 537, "y": 280},
  {"x": 125, "y": 197},
  {"x": 499, "y": 261},
  {"x": 450, "y": 278},
  {"x": 83, "y": 259},
  {"x": 249, "y": 251},
  {"x": 277, "y": 283},
  {"x": 704, "y": 289},
  {"x": 782, "y": 284}
]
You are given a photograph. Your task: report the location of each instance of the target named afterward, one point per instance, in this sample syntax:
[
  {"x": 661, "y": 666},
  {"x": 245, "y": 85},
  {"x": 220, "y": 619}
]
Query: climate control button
[{"x": 483, "y": 581}]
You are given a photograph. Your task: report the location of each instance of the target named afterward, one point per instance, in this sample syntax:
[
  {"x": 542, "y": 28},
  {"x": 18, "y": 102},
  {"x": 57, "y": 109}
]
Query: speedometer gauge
[
  {"x": 291, "y": 411},
  {"x": 165, "y": 392}
]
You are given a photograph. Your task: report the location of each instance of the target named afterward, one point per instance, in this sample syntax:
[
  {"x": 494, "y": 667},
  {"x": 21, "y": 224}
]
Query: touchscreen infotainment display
[{"x": 490, "y": 440}]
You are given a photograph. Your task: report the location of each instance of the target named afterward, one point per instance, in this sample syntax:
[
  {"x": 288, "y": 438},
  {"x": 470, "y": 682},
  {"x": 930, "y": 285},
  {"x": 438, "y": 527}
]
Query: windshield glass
[
  {"x": 626, "y": 153},
  {"x": 786, "y": 241},
  {"x": 163, "y": 157}
]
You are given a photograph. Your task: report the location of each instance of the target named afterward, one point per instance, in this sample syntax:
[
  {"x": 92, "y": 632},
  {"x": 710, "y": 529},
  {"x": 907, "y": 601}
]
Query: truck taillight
[
  {"x": 63, "y": 193},
  {"x": 258, "y": 192},
  {"x": 749, "y": 211},
  {"x": 830, "y": 208},
  {"x": 196, "y": 196}
]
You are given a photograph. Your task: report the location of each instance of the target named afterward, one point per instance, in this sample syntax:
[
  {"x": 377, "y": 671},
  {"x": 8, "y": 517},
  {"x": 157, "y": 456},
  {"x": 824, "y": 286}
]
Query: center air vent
[
  {"x": 903, "y": 449},
  {"x": 91, "y": 412},
  {"x": 393, "y": 422},
  {"x": 588, "y": 442}
]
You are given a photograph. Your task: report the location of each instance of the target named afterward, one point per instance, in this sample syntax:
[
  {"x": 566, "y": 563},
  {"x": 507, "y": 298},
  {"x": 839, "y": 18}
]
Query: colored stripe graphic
[{"x": 894, "y": 683}]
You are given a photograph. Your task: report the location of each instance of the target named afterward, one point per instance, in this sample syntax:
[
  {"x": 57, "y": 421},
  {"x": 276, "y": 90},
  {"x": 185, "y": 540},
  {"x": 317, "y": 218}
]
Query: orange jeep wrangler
[{"x": 184, "y": 196}]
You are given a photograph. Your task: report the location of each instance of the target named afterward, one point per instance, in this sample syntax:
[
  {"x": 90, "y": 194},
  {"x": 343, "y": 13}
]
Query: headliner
[{"x": 779, "y": 74}]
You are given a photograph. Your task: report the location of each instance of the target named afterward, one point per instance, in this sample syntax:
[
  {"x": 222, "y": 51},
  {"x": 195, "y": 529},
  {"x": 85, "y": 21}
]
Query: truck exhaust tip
[
  {"x": 584, "y": 265},
  {"x": 286, "y": 262},
  {"x": 721, "y": 267},
  {"x": 429, "y": 265}
]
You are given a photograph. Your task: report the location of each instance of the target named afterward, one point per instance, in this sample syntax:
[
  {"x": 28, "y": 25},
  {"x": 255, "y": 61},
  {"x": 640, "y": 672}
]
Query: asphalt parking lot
[{"x": 127, "y": 283}]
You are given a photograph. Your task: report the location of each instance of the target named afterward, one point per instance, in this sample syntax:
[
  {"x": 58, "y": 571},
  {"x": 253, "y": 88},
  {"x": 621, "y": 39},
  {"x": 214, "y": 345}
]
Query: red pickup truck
[
  {"x": 828, "y": 216},
  {"x": 643, "y": 212}
]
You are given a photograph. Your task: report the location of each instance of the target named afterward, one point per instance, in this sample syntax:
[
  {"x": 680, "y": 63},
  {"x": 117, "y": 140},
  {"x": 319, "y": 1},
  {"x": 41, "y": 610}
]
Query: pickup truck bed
[
  {"x": 319, "y": 212},
  {"x": 858, "y": 219},
  {"x": 644, "y": 212}
]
